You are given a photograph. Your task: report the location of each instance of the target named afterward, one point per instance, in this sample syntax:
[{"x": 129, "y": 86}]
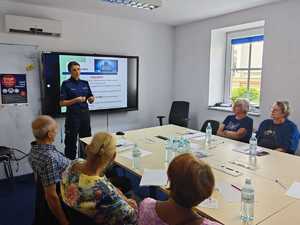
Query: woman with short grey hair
[
  {"x": 243, "y": 103},
  {"x": 238, "y": 126},
  {"x": 279, "y": 132}
]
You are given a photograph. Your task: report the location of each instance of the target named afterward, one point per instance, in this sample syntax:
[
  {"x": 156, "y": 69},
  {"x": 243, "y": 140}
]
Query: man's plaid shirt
[{"x": 47, "y": 163}]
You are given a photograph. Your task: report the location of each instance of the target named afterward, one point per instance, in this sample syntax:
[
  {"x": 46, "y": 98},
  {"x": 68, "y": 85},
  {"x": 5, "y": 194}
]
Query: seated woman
[
  {"x": 279, "y": 132},
  {"x": 85, "y": 188},
  {"x": 238, "y": 126},
  {"x": 191, "y": 182}
]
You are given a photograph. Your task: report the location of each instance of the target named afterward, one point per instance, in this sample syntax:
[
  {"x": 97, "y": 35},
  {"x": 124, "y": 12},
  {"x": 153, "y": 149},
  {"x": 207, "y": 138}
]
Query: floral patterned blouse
[{"x": 95, "y": 197}]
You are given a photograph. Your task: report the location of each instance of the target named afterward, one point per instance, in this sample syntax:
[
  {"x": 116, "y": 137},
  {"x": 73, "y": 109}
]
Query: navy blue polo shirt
[
  {"x": 233, "y": 124},
  {"x": 72, "y": 88}
]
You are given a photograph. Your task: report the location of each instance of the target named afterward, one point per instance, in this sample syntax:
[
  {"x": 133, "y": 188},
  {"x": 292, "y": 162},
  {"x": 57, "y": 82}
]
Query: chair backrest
[
  {"x": 214, "y": 125},
  {"x": 179, "y": 113},
  {"x": 5, "y": 151}
]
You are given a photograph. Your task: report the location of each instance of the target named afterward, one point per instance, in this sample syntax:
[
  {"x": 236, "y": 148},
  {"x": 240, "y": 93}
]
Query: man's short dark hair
[{"x": 73, "y": 63}]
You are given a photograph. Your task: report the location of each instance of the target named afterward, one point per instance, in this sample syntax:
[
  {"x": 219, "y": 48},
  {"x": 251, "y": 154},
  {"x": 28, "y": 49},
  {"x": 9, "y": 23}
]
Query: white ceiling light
[{"x": 142, "y": 4}]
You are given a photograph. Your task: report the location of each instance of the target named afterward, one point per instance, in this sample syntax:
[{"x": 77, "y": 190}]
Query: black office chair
[
  {"x": 179, "y": 114},
  {"x": 6, "y": 155},
  {"x": 214, "y": 125}
]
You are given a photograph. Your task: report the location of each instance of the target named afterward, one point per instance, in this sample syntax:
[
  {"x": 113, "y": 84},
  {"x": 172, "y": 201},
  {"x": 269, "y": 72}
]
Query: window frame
[{"x": 228, "y": 59}]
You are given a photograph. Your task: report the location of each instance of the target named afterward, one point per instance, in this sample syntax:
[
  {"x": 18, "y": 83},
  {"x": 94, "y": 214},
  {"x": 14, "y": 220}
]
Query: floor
[{"x": 17, "y": 201}]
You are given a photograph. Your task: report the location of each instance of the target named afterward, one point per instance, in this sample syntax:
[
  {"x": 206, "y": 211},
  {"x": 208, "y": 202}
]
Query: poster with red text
[{"x": 13, "y": 88}]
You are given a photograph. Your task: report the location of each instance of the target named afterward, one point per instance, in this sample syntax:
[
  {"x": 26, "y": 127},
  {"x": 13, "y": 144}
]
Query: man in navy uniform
[{"x": 75, "y": 94}]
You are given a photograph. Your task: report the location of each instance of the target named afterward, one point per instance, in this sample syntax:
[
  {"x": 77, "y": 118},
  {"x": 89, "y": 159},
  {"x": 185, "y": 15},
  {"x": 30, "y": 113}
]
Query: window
[{"x": 244, "y": 66}]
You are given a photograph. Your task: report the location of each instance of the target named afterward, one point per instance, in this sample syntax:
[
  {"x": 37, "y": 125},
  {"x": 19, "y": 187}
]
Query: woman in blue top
[
  {"x": 238, "y": 126},
  {"x": 279, "y": 132}
]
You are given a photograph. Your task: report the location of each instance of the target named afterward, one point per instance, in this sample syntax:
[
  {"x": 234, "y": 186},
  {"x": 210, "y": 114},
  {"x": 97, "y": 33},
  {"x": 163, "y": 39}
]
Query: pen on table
[
  {"x": 233, "y": 170},
  {"x": 149, "y": 139},
  {"x": 235, "y": 187},
  {"x": 278, "y": 182},
  {"x": 228, "y": 168}
]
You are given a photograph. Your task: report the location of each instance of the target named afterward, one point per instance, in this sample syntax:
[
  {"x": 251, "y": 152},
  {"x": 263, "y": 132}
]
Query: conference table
[
  {"x": 273, "y": 174},
  {"x": 289, "y": 215}
]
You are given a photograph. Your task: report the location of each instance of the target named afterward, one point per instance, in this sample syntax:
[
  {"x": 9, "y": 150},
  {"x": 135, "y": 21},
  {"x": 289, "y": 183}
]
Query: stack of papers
[
  {"x": 227, "y": 169},
  {"x": 128, "y": 154},
  {"x": 294, "y": 190},
  {"x": 124, "y": 145},
  {"x": 193, "y": 135},
  {"x": 242, "y": 164},
  {"x": 201, "y": 138},
  {"x": 195, "y": 147},
  {"x": 209, "y": 203},
  {"x": 154, "y": 178},
  {"x": 198, "y": 152},
  {"x": 229, "y": 193},
  {"x": 247, "y": 150}
]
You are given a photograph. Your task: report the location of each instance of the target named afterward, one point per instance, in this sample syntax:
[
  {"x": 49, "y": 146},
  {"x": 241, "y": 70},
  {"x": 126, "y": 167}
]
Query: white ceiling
[{"x": 173, "y": 12}]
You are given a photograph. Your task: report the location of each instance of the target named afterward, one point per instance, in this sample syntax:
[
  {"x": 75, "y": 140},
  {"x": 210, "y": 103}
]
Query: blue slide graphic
[{"x": 106, "y": 66}]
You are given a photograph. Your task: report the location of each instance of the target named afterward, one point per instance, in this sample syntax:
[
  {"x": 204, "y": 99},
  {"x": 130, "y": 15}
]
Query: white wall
[
  {"x": 280, "y": 62},
  {"x": 154, "y": 44}
]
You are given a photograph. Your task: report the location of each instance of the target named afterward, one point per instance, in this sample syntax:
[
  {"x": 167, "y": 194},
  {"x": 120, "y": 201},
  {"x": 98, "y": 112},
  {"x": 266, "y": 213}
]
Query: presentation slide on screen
[{"x": 107, "y": 77}]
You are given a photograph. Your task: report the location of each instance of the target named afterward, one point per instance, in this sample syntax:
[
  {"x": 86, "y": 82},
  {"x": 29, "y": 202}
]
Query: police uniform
[{"x": 77, "y": 116}]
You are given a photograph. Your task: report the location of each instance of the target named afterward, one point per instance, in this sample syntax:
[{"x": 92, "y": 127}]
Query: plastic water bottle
[
  {"x": 136, "y": 157},
  {"x": 247, "y": 204},
  {"x": 252, "y": 149},
  {"x": 169, "y": 150},
  {"x": 179, "y": 145},
  {"x": 184, "y": 145},
  {"x": 187, "y": 145},
  {"x": 208, "y": 134},
  {"x": 175, "y": 145}
]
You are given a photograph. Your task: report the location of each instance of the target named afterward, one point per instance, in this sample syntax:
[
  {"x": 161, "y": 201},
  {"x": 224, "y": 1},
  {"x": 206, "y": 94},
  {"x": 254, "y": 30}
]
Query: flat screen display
[{"x": 113, "y": 80}]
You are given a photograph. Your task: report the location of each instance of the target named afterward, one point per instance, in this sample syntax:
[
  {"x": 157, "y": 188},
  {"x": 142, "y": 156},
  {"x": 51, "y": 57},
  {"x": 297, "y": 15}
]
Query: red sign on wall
[{"x": 13, "y": 88}]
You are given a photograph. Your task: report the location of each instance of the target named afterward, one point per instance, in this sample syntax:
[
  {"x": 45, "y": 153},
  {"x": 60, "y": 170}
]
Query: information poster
[{"x": 13, "y": 88}]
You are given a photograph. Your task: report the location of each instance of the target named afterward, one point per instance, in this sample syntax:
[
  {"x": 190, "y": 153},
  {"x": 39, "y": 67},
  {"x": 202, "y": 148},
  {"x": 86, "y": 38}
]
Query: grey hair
[
  {"x": 285, "y": 107},
  {"x": 41, "y": 126},
  {"x": 244, "y": 103}
]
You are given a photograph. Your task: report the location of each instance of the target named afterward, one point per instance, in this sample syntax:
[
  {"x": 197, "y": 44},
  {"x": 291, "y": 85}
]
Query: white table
[{"x": 270, "y": 196}]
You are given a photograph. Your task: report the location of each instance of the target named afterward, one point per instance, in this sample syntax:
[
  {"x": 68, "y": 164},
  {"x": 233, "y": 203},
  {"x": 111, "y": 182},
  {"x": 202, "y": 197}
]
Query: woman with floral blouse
[{"x": 85, "y": 188}]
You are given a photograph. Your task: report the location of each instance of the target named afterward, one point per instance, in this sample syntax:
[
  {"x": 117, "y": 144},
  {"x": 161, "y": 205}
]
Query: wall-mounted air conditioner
[{"x": 31, "y": 25}]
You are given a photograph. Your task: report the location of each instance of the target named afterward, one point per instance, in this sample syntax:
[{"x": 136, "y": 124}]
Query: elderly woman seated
[
  {"x": 279, "y": 132},
  {"x": 191, "y": 182},
  {"x": 85, "y": 188},
  {"x": 238, "y": 126}
]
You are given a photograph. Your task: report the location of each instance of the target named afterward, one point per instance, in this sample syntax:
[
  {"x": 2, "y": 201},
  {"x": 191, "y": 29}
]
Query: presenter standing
[{"x": 75, "y": 94}]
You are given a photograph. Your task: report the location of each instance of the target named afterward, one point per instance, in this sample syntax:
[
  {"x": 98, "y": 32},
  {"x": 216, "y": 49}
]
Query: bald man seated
[{"x": 47, "y": 164}]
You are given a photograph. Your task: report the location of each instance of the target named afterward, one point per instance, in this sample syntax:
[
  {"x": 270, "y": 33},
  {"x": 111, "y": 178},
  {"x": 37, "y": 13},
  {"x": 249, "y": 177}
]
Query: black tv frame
[{"x": 62, "y": 114}]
